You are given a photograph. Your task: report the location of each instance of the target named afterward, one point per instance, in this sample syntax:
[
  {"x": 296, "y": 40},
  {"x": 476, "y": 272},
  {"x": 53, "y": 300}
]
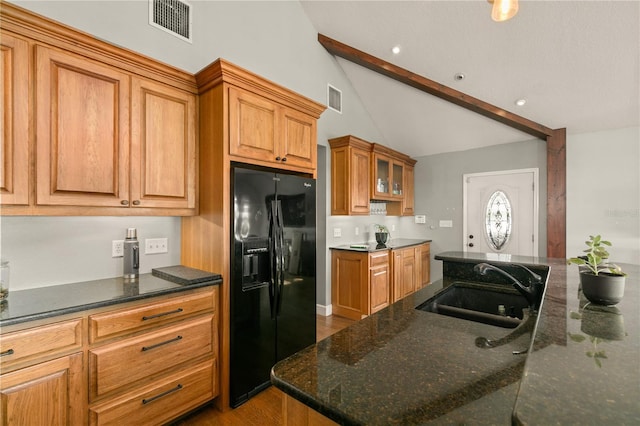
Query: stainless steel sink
[{"x": 497, "y": 305}]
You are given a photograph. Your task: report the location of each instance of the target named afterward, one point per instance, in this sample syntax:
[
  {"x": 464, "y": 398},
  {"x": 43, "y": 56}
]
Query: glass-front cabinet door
[
  {"x": 388, "y": 183},
  {"x": 397, "y": 186},
  {"x": 382, "y": 174}
]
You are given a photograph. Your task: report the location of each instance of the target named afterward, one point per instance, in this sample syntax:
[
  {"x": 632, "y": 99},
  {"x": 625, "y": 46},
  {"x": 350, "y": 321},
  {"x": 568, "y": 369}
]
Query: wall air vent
[
  {"x": 172, "y": 16},
  {"x": 334, "y": 98}
]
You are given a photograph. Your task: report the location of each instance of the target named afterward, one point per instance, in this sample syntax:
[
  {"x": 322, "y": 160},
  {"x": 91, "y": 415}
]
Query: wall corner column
[{"x": 557, "y": 193}]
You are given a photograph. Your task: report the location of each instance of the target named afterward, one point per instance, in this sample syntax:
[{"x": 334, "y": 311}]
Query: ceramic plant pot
[
  {"x": 381, "y": 237},
  {"x": 602, "y": 289}
]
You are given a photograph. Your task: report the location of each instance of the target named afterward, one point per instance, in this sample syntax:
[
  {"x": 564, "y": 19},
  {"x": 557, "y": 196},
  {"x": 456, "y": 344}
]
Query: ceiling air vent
[
  {"x": 172, "y": 16},
  {"x": 334, "y": 99}
]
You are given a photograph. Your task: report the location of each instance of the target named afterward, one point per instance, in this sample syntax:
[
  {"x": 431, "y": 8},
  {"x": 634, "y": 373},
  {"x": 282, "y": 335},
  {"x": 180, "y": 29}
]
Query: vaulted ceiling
[{"x": 577, "y": 64}]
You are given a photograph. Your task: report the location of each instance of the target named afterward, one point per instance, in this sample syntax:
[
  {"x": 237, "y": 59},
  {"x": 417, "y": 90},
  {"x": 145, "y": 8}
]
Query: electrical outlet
[
  {"x": 393, "y": 227},
  {"x": 117, "y": 248},
  {"x": 357, "y": 231},
  {"x": 337, "y": 232},
  {"x": 155, "y": 245}
]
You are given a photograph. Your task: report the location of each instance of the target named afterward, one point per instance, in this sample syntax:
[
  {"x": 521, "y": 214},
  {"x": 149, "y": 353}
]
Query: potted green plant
[
  {"x": 602, "y": 283},
  {"x": 382, "y": 233}
]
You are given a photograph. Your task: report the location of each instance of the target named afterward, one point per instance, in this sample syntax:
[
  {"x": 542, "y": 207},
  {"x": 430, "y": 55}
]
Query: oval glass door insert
[{"x": 498, "y": 220}]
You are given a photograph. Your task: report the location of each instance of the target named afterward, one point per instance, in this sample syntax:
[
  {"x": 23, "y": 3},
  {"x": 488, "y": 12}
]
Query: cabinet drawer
[
  {"x": 161, "y": 401},
  {"x": 115, "y": 323},
  {"x": 124, "y": 362},
  {"x": 35, "y": 342},
  {"x": 378, "y": 258}
]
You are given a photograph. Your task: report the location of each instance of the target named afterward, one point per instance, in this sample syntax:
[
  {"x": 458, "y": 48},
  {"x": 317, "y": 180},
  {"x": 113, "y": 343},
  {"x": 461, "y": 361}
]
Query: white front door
[{"x": 501, "y": 212}]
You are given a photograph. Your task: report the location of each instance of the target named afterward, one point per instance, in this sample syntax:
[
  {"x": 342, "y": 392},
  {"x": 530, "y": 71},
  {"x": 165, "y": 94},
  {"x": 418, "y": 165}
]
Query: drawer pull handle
[
  {"x": 177, "y": 311},
  {"x": 165, "y": 393},
  {"x": 7, "y": 353},
  {"x": 148, "y": 348}
]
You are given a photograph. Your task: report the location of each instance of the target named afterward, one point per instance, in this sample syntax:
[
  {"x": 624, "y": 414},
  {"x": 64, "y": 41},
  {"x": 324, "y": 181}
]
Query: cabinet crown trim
[{"x": 222, "y": 70}]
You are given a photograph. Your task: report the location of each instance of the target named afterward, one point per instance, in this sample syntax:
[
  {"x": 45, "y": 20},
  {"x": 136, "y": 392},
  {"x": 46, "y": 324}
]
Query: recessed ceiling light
[
  {"x": 395, "y": 50},
  {"x": 521, "y": 102}
]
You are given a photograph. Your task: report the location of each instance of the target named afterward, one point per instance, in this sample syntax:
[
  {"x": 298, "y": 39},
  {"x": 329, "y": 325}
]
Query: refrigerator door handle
[
  {"x": 280, "y": 280},
  {"x": 273, "y": 261}
]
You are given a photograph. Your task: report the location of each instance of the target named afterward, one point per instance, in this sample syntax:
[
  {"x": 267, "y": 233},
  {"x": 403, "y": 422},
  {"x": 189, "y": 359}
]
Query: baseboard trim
[{"x": 324, "y": 310}]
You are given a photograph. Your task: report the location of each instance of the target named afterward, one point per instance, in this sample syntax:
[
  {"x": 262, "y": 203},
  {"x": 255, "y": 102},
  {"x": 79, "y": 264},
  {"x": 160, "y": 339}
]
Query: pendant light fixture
[{"x": 503, "y": 9}]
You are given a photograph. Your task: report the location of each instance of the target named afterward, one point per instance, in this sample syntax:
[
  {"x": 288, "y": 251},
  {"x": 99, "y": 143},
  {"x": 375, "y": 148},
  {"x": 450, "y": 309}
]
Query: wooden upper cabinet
[
  {"x": 388, "y": 174},
  {"x": 163, "y": 146},
  {"x": 408, "y": 200},
  {"x": 89, "y": 128},
  {"x": 350, "y": 175},
  {"x": 14, "y": 137},
  {"x": 264, "y": 130},
  {"x": 298, "y": 141},
  {"x": 253, "y": 126},
  {"x": 82, "y": 141},
  {"x": 362, "y": 171}
]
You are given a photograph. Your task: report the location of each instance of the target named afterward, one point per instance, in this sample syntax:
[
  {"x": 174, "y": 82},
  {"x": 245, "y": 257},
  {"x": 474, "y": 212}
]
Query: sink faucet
[
  {"x": 532, "y": 292},
  {"x": 526, "y": 326}
]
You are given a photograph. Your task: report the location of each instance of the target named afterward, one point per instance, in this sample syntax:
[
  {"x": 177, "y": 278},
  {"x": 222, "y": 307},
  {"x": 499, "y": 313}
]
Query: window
[{"x": 498, "y": 220}]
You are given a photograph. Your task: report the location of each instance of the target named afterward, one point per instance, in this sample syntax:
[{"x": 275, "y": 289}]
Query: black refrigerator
[{"x": 273, "y": 274}]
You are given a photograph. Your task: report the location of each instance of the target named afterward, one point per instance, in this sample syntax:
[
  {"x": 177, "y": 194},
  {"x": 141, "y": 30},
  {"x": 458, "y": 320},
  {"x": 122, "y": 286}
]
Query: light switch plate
[
  {"x": 155, "y": 245},
  {"x": 446, "y": 224},
  {"x": 420, "y": 218},
  {"x": 337, "y": 232}
]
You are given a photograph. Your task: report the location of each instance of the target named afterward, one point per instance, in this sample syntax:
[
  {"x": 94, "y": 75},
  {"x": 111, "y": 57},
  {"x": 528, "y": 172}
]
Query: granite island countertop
[
  {"x": 46, "y": 302},
  {"x": 402, "y": 366},
  {"x": 394, "y": 243}
]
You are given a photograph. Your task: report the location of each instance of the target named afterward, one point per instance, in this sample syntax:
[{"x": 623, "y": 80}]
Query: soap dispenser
[{"x": 131, "y": 261}]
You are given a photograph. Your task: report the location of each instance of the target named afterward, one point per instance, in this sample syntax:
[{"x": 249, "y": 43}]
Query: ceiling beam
[{"x": 433, "y": 88}]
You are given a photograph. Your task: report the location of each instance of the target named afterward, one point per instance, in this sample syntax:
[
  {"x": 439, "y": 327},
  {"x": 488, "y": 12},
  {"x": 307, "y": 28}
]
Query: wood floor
[{"x": 264, "y": 409}]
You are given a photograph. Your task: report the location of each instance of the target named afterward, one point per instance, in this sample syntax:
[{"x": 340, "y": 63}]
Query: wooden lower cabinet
[
  {"x": 164, "y": 366},
  {"x": 359, "y": 282},
  {"x": 145, "y": 363},
  {"x": 379, "y": 281},
  {"x": 403, "y": 264},
  {"x": 49, "y": 393},
  {"x": 363, "y": 283},
  {"x": 423, "y": 252},
  {"x": 160, "y": 401},
  {"x": 295, "y": 413}
]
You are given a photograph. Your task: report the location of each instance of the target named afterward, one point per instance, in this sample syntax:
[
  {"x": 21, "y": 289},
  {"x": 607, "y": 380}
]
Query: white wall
[
  {"x": 271, "y": 38},
  {"x": 603, "y": 191}
]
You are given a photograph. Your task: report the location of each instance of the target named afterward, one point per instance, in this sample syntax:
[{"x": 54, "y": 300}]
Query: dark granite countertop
[
  {"x": 393, "y": 243},
  {"x": 403, "y": 366},
  {"x": 46, "y": 302}
]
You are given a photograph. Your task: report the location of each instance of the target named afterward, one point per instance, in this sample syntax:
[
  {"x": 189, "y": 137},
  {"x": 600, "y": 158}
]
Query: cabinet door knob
[
  {"x": 124, "y": 202},
  {"x": 136, "y": 202},
  {"x": 470, "y": 244},
  {"x": 284, "y": 159},
  {"x": 278, "y": 158}
]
